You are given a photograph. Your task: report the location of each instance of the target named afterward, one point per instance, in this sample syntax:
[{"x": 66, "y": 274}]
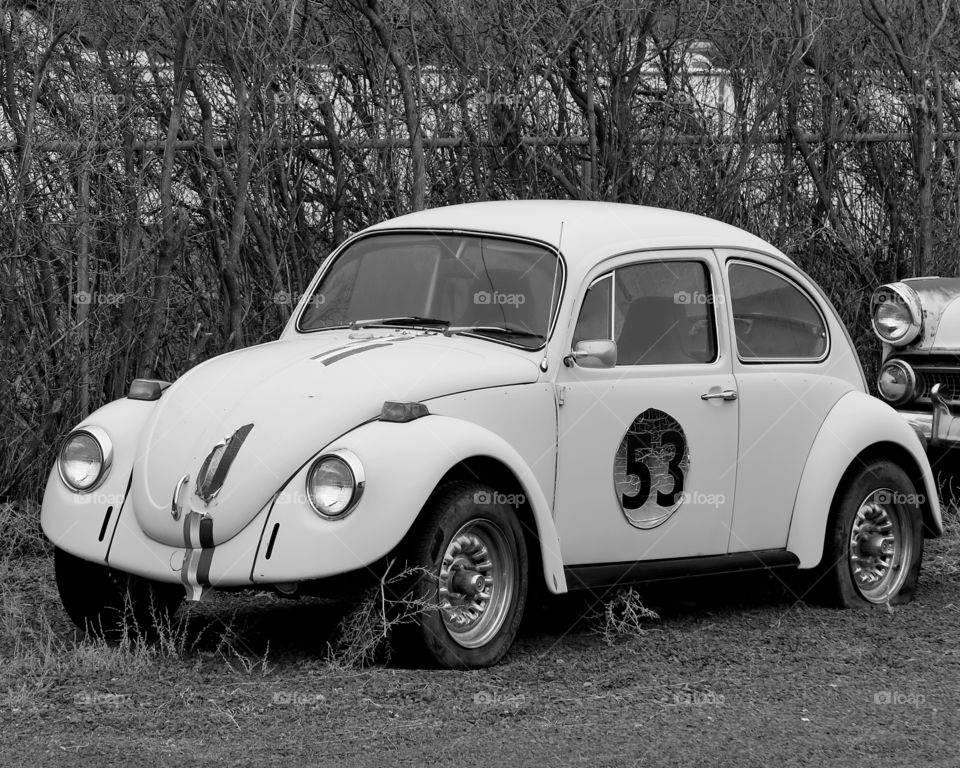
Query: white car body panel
[
  {"x": 593, "y": 420},
  {"x": 774, "y": 401}
]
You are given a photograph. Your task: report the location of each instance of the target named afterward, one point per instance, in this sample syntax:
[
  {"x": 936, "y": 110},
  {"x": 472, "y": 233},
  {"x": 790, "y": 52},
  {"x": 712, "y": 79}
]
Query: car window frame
[
  {"x": 330, "y": 260},
  {"x": 699, "y": 255},
  {"x": 732, "y": 260}
]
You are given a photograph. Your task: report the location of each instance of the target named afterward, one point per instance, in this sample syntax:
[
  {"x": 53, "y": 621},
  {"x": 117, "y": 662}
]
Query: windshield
[{"x": 500, "y": 289}]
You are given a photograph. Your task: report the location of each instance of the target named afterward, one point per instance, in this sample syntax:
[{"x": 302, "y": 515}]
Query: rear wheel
[
  {"x": 471, "y": 587},
  {"x": 875, "y": 540},
  {"x": 109, "y": 604}
]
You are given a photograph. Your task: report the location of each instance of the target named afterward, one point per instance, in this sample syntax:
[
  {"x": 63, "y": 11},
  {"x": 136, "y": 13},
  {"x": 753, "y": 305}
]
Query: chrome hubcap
[
  {"x": 880, "y": 550},
  {"x": 477, "y": 583}
]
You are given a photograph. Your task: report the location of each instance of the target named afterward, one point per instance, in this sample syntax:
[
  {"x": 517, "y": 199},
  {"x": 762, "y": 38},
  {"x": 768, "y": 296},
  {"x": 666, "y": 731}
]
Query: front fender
[
  {"x": 403, "y": 463},
  {"x": 855, "y": 423},
  {"x": 83, "y": 523}
]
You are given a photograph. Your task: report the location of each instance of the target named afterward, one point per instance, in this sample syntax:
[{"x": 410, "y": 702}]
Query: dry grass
[
  {"x": 41, "y": 652},
  {"x": 806, "y": 679},
  {"x": 20, "y": 534},
  {"x": 363, "y": 636},
  {"x": 625, "y": 615}
]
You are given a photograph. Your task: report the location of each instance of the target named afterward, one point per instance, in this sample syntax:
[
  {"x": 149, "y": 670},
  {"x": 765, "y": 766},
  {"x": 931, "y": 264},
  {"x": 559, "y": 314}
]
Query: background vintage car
[
  {"x": 918, "y": 321},
  {"x": 504, "y": 396}
]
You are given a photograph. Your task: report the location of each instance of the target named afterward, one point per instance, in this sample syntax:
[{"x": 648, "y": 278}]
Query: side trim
[{"x": 623, "y": 574}]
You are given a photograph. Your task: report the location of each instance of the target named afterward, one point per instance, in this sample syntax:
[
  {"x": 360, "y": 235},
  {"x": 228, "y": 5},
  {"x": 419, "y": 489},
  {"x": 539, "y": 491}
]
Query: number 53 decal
[{"x": 650, "y": 469}]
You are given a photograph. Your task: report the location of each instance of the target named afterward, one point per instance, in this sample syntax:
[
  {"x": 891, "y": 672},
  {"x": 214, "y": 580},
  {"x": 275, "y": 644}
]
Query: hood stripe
[
  {"x": 191, "y": 529},
  {"x": 206, "y": 533},
  {"x": 338, "y": 349},
  {"x": 199, "y": 545},
  {"x": 203, "y": 567},
  {"x": 349, "y": 352},
  {"x": 353, "y": 347}
]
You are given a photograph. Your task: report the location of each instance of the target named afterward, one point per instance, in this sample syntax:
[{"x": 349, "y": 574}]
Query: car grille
[{"x": 947, "y": 377}]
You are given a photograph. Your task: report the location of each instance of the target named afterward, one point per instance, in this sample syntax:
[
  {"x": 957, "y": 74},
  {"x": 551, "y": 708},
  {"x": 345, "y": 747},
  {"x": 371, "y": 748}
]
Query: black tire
[
  {"x": 464, "y": 532},
  {"x": 112, "y": 605},
  {"x": 877, "y": 510}
]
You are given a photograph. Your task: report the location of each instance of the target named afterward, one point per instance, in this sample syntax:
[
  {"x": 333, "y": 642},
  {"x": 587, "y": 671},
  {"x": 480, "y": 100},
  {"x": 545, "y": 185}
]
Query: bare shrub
[
  {"x": 363, "y": 636},
  {"x": 625, "y": 615}
]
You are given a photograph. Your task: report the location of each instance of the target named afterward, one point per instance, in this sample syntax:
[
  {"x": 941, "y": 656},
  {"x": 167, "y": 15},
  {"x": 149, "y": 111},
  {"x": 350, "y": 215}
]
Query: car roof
[{"x": 590, "y": 230}]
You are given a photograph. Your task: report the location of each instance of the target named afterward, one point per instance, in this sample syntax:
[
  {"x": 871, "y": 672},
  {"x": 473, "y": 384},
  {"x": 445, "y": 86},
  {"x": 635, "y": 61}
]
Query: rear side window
[{"x": 773, "y": 318}]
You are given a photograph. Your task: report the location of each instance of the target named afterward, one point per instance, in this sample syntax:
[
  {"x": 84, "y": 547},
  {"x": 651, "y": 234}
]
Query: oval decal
[{"x": 650, "y": 469}]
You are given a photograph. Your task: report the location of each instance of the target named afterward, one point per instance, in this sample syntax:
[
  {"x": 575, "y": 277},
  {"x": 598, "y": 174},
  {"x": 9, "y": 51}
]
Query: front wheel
[
  {"x": 874, "y": 539},
  {"x": 472, "y": 574},
  {"x": 110, "y": 604}
]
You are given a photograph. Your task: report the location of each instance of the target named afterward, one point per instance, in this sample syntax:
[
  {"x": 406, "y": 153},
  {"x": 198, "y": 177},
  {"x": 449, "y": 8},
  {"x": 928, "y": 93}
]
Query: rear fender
[{"x": 858, "y": 428}]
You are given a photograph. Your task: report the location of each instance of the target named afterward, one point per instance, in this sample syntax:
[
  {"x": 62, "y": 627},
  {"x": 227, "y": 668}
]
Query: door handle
[{"x": 727, "y": 394}]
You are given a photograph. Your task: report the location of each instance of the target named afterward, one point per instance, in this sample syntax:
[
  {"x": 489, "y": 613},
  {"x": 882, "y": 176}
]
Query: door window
[{"x": 658, "y": 312}]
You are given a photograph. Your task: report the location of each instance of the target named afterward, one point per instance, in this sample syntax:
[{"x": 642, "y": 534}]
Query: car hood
[{"x": 231, "y": 432}]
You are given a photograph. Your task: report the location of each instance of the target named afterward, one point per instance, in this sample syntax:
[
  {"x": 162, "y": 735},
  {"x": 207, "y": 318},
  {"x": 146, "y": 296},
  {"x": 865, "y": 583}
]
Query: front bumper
[{"x": 937, "y": 427}]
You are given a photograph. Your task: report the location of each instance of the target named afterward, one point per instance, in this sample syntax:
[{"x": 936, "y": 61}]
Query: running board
[{"x": 622, "y": 574}]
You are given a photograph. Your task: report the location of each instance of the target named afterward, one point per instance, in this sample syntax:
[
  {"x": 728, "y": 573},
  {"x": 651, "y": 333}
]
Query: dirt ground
[{"x": 735, "y": 672}]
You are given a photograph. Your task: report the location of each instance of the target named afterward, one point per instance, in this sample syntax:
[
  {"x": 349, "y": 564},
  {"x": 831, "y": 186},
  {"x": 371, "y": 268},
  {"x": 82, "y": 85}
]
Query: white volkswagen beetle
[{"x": 501, "y": 395}]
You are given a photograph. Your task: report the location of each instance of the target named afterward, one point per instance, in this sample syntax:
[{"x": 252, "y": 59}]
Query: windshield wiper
[
  {"x": 495, "y": 330},
  {"x": 405, "y": 320}
]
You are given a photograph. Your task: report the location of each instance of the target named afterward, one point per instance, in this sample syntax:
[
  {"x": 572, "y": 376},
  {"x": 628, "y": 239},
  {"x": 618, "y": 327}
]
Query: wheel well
[
  {"x": 496, "y": 474},
  {"x": 905, "y": 460}
]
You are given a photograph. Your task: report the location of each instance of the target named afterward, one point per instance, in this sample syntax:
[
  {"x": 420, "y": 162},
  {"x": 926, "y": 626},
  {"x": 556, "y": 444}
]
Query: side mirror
[{"x": 594, "y": 353}]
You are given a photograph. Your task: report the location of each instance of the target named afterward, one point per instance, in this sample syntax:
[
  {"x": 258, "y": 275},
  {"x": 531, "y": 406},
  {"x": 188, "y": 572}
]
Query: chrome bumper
[{"x": 937, "y": 427}]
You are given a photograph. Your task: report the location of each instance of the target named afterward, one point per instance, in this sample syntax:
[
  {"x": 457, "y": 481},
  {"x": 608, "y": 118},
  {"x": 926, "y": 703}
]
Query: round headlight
[
  {"x": 896, "y": 382},
  {"x": 897, "y": 314},
  {"x": 85, "y": 457},
  {"x": 335, "y": 483}
]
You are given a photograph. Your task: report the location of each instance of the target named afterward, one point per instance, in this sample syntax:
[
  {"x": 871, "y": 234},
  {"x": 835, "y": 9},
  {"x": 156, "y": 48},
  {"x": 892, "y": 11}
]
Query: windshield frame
[{"x": 335, "y": 256}]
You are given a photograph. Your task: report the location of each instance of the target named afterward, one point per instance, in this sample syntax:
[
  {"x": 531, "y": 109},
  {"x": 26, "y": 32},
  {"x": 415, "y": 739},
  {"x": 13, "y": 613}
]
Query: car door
[
  {"x": 647, "y": 453},
  {"x": 788, "y": 377}
]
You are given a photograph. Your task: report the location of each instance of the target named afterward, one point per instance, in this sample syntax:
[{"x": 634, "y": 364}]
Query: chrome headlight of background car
[
  {"x": 335, "y": 484},
  {"x": 897, "y": 382},
  {"x": 896, "y": 313},
  {"x": 85, "y": 459}
]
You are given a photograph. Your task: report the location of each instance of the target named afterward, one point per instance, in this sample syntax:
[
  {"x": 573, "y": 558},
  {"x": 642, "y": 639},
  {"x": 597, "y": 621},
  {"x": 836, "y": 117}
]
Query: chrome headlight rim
[
  {"x": 910, "y": 300},
  {"x": 353, "y": 465},
  {"x": 910, "y": 376},
  {"x": 104, "y": 443}
]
